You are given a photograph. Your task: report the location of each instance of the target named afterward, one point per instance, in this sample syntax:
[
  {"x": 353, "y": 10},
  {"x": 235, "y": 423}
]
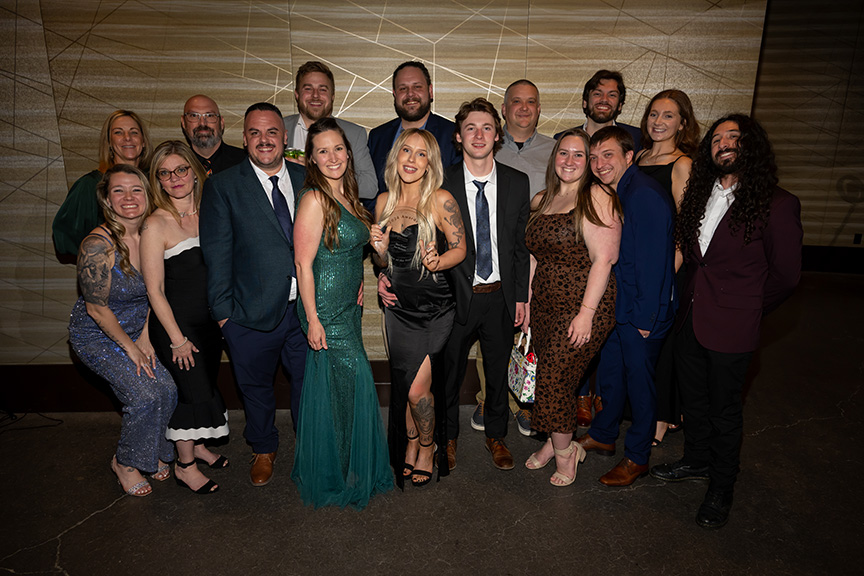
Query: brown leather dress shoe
[
  {"x": 591, "y": 445},
  {"x": 624, "y": 474},
  {"x": 451, "y": 453},
  {"x": 583, "y": 411},
  {"x": 262, "y": 468},
  {"x": 501, "y": 456}
]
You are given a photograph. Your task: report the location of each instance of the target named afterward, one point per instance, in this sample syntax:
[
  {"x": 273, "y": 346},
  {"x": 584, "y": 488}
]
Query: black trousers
[
  {"x": 490, "y": 323},
  {"x": 710, "y": 384}
]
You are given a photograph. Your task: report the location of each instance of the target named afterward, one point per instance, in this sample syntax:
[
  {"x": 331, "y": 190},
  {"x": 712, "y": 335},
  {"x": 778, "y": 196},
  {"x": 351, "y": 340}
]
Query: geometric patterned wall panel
[{"x": 64, "y": 66}]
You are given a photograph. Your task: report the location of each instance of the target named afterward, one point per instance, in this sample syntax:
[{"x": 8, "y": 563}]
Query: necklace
[{"x": 184, "y": 214}]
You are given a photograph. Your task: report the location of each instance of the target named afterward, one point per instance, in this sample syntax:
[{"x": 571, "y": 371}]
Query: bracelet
[
  {"x": 185, "y": 340},
  {"x": 589, "y": 308}
]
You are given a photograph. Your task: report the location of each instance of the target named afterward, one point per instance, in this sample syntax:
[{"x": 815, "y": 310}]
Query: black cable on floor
[{"x": 13, "y": 420}]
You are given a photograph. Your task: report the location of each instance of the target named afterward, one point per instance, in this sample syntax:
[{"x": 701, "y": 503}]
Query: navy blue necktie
[
  {"x": 280, "y": 206},
  {"x": 483, "y": 236}
]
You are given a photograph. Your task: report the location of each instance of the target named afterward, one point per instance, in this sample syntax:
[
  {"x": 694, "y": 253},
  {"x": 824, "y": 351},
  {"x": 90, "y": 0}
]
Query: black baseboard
[
  {"x": 74, "y": 388},
  {"x": 835, "y": 259}
]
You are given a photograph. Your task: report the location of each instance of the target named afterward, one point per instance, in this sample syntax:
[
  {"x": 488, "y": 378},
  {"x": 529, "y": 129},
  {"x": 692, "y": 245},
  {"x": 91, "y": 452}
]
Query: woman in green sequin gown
[{"x": 341, "y": 453}]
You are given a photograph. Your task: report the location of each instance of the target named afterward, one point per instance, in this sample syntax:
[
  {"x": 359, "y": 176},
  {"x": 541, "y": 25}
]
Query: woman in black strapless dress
[
  {"x": 186, "y": 338},
  {"x": 419, "y": 234},
  {"x": 670, "y": 134}
]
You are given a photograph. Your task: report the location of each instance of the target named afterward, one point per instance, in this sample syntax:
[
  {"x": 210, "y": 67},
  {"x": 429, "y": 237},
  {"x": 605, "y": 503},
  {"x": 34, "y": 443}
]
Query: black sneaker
[{"x": 477, "y": 421}]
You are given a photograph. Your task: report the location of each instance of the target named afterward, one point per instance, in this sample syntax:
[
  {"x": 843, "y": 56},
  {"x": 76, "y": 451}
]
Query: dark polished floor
[{"x": 798, "y": 503}]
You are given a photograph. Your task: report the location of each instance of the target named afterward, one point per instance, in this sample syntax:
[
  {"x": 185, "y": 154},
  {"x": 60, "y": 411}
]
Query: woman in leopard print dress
[{"x": 573, "y": 235}]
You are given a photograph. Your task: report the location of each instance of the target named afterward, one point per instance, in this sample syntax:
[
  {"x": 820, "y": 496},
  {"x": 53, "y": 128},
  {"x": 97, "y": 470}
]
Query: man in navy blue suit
[
  {"x": 644, "y": 306},
  {"x": 246, "y": 228},
  {"x": 412, "y": 98},
  {"x": 602, "y": 100}
]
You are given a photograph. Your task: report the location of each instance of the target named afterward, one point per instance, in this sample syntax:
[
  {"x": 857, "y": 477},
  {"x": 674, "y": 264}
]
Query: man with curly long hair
[{"x": 741, "y": 236}]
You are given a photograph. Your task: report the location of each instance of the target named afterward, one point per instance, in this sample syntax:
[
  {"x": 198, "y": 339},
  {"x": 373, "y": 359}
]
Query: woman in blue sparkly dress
[
  {"x": 108, "y": 331},
  {"x": 341, "y": 454}
]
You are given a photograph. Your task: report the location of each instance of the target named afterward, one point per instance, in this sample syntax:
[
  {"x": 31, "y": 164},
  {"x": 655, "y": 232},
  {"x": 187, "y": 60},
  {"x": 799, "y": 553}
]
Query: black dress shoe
[
  {"x": 714, "y": 511},
  {"x": 678, "y": 471}
]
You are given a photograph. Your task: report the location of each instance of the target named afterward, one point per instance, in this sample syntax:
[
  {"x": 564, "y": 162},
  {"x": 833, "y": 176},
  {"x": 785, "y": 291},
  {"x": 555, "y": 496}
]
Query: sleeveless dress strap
[{"x": 108, "y": 237}]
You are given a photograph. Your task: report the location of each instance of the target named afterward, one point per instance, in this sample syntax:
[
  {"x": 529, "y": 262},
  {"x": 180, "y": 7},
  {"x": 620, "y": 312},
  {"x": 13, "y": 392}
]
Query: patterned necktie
[
  {"x": 483, "y": 236},
  {"x": 280, "y": 206}
]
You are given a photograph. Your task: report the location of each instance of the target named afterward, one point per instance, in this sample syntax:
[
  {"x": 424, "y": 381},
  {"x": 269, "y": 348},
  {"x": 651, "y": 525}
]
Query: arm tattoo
[
  {"x": 94, "y": 271},
  {"x": 455, "y": 220}
]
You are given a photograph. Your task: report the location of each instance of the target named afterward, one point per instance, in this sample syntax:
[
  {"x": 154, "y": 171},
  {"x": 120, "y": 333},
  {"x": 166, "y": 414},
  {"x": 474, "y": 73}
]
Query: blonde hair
[
  {"x": 429, "y": 184},
  {"x": 115, "y": 229},
  {"x": 106, "y": 153},
  {"x": 158, "y": 197}
]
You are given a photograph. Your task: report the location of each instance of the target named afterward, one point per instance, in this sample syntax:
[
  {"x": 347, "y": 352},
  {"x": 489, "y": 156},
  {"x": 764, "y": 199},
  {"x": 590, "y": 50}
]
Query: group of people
[{"x": 478, "y": 228}]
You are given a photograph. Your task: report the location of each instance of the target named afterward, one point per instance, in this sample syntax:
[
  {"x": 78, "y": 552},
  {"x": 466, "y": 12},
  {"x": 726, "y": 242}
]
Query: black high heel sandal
[
  {"x": 409, "y": 467},
  {"x": 427, "y": 475},
  {"x": 209, "y": 488}
]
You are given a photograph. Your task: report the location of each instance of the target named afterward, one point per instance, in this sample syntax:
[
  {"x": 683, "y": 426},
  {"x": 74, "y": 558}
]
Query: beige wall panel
[{"x": 64, "y": 66}]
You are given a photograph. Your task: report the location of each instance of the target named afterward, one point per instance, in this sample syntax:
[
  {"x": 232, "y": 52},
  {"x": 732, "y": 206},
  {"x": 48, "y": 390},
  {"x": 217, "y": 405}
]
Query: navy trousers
[
  {"x": 626, "y": 370},
  {"x": 255, "y": 356}
]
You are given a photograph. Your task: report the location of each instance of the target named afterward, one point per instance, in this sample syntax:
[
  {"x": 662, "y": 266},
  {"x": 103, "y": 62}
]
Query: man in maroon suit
[{"x": 741, "y": 239}]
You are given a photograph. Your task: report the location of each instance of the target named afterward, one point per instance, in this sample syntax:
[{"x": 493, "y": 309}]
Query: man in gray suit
[
  {"x": 246, "y": 229},
  {"x": 314, "y": 88}
]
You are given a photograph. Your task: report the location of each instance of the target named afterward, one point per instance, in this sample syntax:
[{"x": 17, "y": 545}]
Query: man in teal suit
[{"x": 246, "y": 228}]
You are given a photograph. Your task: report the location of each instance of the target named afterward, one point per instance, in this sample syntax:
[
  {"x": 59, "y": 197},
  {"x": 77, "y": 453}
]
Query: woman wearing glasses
[{"x": 186, "y": 339}]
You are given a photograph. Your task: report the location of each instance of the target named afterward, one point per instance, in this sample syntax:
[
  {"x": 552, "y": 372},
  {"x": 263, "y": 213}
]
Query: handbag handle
[{"x": 528, "y": 341}]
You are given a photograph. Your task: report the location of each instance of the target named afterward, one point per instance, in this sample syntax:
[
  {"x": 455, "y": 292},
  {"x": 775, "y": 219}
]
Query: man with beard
[
  {"x": 314, "y": 89},
  {"x": 741, "y": 237},
  {"x": 602, "y": 100},
  {"x": 644, "y": 306},
  {"x": 203, "y": 126},
  {"x": 247, "y": 238},
  {"x": 412, "y": 98}
]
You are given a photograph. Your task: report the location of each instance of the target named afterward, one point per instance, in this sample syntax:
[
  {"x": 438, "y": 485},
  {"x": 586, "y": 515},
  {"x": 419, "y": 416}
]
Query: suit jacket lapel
[
  {"x": 722, "y": 232},
  {"x": 462, "y": 199},
  {"x": 257, "y": 195},
  {"x": 503, "y": 186}
]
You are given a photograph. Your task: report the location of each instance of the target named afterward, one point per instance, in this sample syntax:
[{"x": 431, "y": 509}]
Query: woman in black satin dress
[{"x": 419, "y": 233}]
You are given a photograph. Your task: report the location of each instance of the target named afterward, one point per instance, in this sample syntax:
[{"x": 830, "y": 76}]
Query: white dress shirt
[
  {"x": 718, "y": 204},
  {"x": 491, "y": 193},
  {"x": 287, "y": 190},
  {"x": 300, "y": 134}
]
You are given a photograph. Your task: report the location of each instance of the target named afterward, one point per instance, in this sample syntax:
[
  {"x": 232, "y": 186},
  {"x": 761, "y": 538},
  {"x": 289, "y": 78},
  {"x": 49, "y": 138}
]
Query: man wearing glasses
[{"x": 203, "y": 126}]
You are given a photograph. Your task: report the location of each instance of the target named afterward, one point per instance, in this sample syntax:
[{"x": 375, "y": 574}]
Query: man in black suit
[
  {"x": 491, "y": 284},
  {"x": 203, "y": 127},
  {"x": 246, "y": 228}
]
